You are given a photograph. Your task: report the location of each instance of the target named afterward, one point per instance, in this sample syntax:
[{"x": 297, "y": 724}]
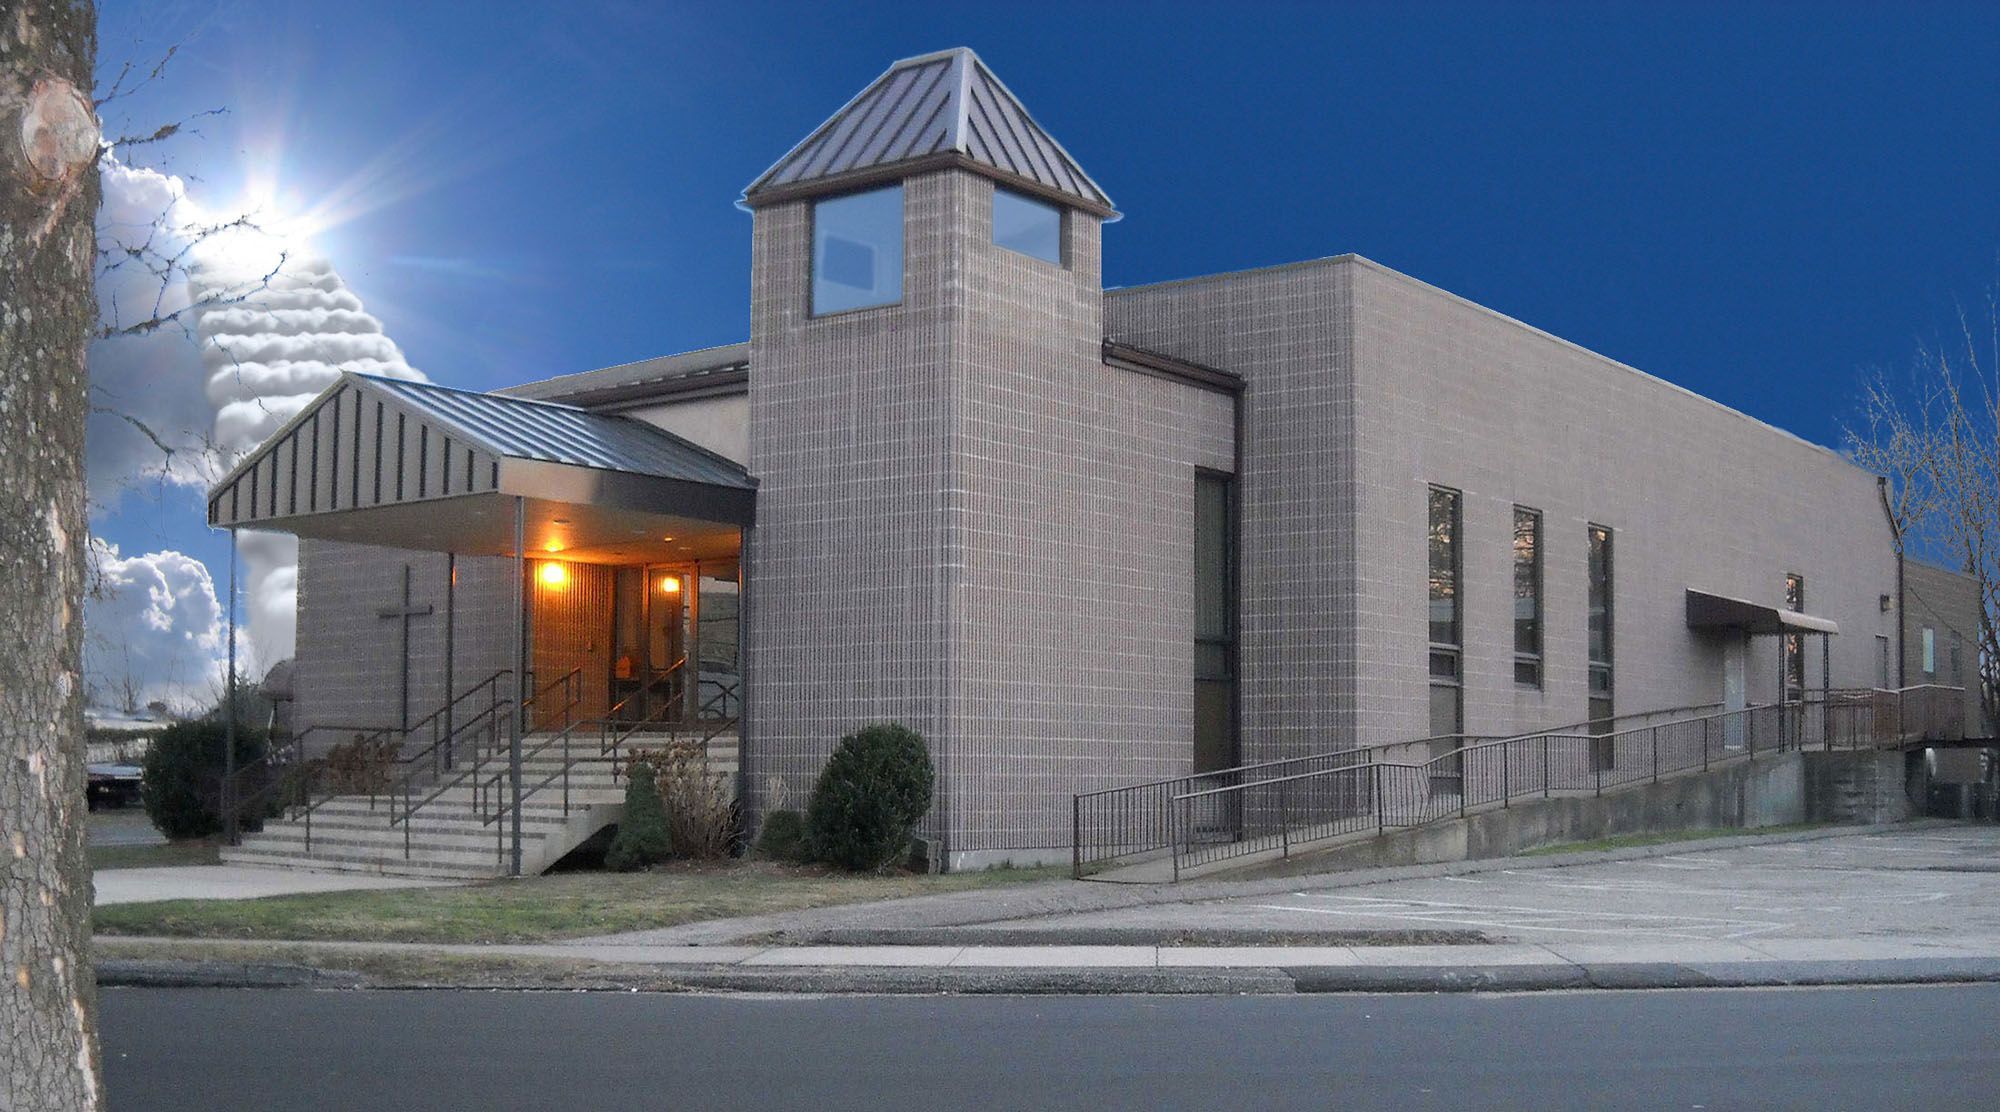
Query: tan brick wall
[
  {"x": 969, "y": 524},
  {"x": 1948, "y": 602},
  {"x": 1698, "y": 495},
  {"x": 1285, "y": 331},
  {"x": 349, "y": 660},
  {"x": 1365, "y": 386}
]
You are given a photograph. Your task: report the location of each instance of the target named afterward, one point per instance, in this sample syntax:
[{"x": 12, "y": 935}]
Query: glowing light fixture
[
  {"x": 553, "y": 575},
  {"x": 670, "y": 585}
]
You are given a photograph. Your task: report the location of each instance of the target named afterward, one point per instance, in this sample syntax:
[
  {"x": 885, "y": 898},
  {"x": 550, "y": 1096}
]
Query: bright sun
[{"x": 269, "y": 234}]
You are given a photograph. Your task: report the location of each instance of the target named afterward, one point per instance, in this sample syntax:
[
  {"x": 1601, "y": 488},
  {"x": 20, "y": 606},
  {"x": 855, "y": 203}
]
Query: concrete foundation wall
[
  {"x": 1858, "y": 787},
  {"x": 1769, "y": 791}
]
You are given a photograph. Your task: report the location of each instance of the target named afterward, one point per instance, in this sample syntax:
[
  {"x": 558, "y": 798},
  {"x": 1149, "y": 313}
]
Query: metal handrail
[
  {"x": 646, "y": 686},
  {"x": 435, "y": 717},
  {"x": 569, "y": 682},
  {"x": 297, "y": 773},
  {"x": 1386, "y": 745},
  {"x": 1196, "y": 818}
]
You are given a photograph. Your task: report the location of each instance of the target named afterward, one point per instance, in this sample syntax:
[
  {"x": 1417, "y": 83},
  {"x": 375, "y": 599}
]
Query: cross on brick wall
[{"x": 404, "y": 613}]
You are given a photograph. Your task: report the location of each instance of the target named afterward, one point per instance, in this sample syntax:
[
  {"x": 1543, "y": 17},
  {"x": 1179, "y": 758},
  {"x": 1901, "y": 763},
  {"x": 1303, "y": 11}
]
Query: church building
[{"x": 1076, "y": 537}]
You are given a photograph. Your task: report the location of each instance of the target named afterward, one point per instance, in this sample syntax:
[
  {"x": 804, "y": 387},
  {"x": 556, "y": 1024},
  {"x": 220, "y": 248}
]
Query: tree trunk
[{"x": 48, "y": 203}]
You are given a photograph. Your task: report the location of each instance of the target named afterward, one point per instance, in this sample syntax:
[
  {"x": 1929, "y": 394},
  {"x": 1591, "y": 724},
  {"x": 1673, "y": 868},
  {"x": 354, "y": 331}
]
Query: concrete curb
[
  {"x": 1117, "y": 936},
  {"x": 1276, "y": 979},
  {"x": 134, "y": 973}
]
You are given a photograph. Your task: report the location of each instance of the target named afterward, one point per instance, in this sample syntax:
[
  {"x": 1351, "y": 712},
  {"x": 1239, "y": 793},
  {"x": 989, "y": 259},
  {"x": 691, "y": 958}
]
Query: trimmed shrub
[
  {"x": 783, "y": 837},
  {"x": 870, "y": 797},
  {"x": 642, "y": 833},
  {"x": 180, "y": 781}
]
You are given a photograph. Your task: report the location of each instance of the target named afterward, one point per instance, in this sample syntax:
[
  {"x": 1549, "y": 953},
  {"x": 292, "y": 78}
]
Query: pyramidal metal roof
[{"x": 943, "y": 108}]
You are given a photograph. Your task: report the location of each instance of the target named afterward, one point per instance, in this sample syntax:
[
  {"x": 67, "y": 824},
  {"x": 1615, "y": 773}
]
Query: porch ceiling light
[{"x": 553, "y": 575}]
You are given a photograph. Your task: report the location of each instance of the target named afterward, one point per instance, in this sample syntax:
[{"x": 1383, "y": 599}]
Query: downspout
[{"x": 1896, "y": 534}]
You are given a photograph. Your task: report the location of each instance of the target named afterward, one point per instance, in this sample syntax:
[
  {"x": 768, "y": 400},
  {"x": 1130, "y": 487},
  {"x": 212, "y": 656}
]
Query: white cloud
[
  {"x": 251, "y": 355},
  {"x": 155, "y": 379},
  {"x": 157, "y": 632},
  {"x": 271, "y": 591}
]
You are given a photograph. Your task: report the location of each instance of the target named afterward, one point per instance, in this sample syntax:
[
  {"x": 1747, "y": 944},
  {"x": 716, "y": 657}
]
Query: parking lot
[{"x": 1942, "y": 882}]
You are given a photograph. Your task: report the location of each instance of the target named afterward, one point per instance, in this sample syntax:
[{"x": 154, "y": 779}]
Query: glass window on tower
[
  {"x": 1028, "y": 226},
  {"x": 858, "y": 250}
]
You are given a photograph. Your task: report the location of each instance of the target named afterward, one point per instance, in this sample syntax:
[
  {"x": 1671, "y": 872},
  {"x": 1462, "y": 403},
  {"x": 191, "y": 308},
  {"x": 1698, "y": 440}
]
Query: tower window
[
  {"x": 1027, "y": 226},
  {"x": 858, "y": 250}
]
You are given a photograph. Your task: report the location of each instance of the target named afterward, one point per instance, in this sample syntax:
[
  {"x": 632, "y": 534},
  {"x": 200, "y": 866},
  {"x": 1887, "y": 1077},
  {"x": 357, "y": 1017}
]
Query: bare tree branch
[{"x": 1936, "y": 438}]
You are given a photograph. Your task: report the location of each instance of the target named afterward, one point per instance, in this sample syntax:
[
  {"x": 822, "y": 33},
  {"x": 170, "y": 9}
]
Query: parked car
[{"x": 112, "y": 785}]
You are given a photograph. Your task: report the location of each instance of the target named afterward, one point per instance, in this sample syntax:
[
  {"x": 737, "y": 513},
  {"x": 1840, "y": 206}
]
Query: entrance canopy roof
[
  {"x": 1707, "y": 611},
  {"x": 411, "y": 465}
]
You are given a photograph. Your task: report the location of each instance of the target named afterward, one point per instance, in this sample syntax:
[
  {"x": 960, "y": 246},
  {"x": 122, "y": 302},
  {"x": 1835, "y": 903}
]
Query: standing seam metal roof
[
  {"x": 929, "y": 105},
  {"x": 517, "y": 428}
]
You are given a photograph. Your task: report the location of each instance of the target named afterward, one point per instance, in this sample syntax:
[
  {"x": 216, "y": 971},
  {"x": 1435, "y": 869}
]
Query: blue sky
[{"x": 1756, "y": 202}]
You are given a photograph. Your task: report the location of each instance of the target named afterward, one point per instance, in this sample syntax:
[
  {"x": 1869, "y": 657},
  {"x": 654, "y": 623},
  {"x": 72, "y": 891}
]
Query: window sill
[{"x": 834, "y": 314}]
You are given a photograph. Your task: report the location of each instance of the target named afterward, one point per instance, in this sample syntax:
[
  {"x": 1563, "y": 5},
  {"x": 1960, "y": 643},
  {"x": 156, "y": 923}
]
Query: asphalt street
[{"x": 1919, "y": 1047}]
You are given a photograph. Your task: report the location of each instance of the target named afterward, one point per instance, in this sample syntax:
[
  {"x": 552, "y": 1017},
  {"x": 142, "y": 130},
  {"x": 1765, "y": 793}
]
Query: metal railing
[
  {"x": 1273, "y": 806},
  {"x": 288, "y": 782},
  {"x": 404, "y": 801}
]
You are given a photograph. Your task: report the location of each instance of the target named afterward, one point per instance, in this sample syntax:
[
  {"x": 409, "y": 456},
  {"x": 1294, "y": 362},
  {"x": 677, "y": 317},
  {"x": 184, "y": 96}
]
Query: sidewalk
[
  {"x": 1908, "y": 904},
  {"x": 233, "y": 882}
]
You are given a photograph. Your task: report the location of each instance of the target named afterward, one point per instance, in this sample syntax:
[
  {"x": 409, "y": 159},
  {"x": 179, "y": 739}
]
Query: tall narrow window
[
  {"x": 1795, "y": 643},
  {"x": 1031, "y": 227},
  {"x": 1527, "y": 597},
  {"x": 1930, "y": 653},
  {"x": 857, "y": 245},
  {"x": 1447, "y": 708},
  {"x": 1601, "y": 596},
  {"x": 1957, "y": 665},
  {"x": 1214, "y": 623}
]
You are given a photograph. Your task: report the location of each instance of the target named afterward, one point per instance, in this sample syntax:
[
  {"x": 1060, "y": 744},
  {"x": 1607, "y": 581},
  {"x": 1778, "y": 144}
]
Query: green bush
[
  {"x": 783, "y": 837},
  {"x": 869, "y": 798},
  {"x": 180, "y": 781},
  {"x": 642, "y": 833}
]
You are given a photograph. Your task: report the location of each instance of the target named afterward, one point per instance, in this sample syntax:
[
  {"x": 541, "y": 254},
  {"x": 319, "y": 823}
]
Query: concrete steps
[{"x": 450, "y": 835}]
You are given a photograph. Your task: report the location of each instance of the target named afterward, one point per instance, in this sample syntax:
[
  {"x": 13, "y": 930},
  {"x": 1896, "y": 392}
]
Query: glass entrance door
[
  {"x": 669, "y": 620},
  {"x": 718, "y": 678}
]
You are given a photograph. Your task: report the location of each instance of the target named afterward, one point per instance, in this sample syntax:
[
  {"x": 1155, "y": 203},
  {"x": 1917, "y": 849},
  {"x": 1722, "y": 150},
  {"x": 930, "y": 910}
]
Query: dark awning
[
  {"x": 1707, "y": 611},
  {"x": 413, "y": 465}
]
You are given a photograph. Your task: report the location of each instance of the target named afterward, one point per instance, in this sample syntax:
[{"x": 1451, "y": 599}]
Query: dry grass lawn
[{"x": 538, "y": 909}]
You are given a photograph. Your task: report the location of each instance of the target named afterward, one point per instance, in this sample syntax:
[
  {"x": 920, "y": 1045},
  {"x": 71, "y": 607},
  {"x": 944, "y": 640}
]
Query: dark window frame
[
  {"x": 1229, "y": 644},
  {"x": 1448, "y": 654},
  {"x": 1601, "y": 597},
  {"x": 1528, "y": 661},
  {"x": 1795, "y": 643}
]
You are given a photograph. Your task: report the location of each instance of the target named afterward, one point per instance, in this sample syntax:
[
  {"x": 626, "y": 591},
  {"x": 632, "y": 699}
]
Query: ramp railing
[{"x": 1279, "y": 805}]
